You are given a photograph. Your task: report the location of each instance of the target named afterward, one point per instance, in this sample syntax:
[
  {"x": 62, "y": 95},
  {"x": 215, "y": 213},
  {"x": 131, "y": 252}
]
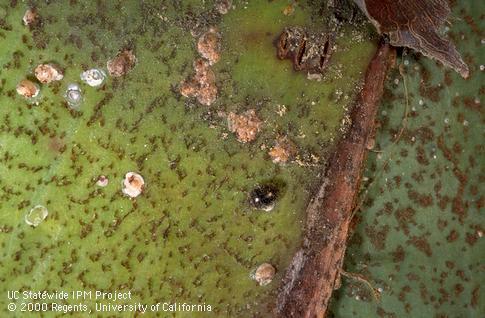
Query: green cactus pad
[{"x": 191, "y": 235}]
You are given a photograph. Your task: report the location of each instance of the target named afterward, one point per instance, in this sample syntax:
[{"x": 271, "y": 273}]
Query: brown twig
[
  {"x": 315, "y": 268},
  {"x": 363, "y": 280}
]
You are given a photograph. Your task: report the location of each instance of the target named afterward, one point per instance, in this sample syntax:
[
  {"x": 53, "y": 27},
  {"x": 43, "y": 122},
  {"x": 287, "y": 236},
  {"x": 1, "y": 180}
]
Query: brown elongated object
[{"x": 315, "y": 268}]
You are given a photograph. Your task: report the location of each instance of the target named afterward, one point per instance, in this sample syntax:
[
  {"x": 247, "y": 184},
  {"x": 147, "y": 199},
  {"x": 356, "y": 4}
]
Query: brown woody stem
[{"x": 315, "y": 268}]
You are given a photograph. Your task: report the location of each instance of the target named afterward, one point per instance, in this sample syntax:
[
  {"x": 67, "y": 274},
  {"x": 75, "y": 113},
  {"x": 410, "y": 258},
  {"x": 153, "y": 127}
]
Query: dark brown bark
[
  {"x": 416, "y": 24},
  {"x": 315, "y": 268}
]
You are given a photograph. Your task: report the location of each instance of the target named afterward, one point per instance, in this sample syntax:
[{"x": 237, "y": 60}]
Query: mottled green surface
[
  {"x": 419, "y": 237},
  {"x": 190, "y": 237}
]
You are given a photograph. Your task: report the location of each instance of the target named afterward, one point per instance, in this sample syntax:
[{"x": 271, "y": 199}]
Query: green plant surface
[
  {"x": 190, "y": 236},
  {"x": 419, "y": 238}
]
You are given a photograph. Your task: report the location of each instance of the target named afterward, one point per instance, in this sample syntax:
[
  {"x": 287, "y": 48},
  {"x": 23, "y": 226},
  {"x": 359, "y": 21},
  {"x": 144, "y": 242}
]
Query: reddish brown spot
[
  {"x": 377, "y": 236},
  {"x": 399, "y": 254},
  {"x": 475, "y": 28},
  {"x": 422, "y": 244},
  {"x": 448, "y": 79},
  {"x": 404, "y": 218},
  {"x": 459, "y": 207},
  {"x": 475, "y": 297},
  {"x": 402, "y": 295},
  {"x": 424, "y": 200},
  {"x": 431, "y": 92},
  {"x": 56, "y": 145},
  {"x": 458, "y": 289},
  {"x": 384, "y": 314},
  {"x": 421, "y": 156},
  {"x": 452, "y": 236},
  {"x": 472, "y": 105},
  {"x": 471, "y": 238}
]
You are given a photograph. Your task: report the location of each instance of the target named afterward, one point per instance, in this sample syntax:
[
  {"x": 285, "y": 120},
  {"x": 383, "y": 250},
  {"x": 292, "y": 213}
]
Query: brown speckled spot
[{"x": 422, "y": 244}]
